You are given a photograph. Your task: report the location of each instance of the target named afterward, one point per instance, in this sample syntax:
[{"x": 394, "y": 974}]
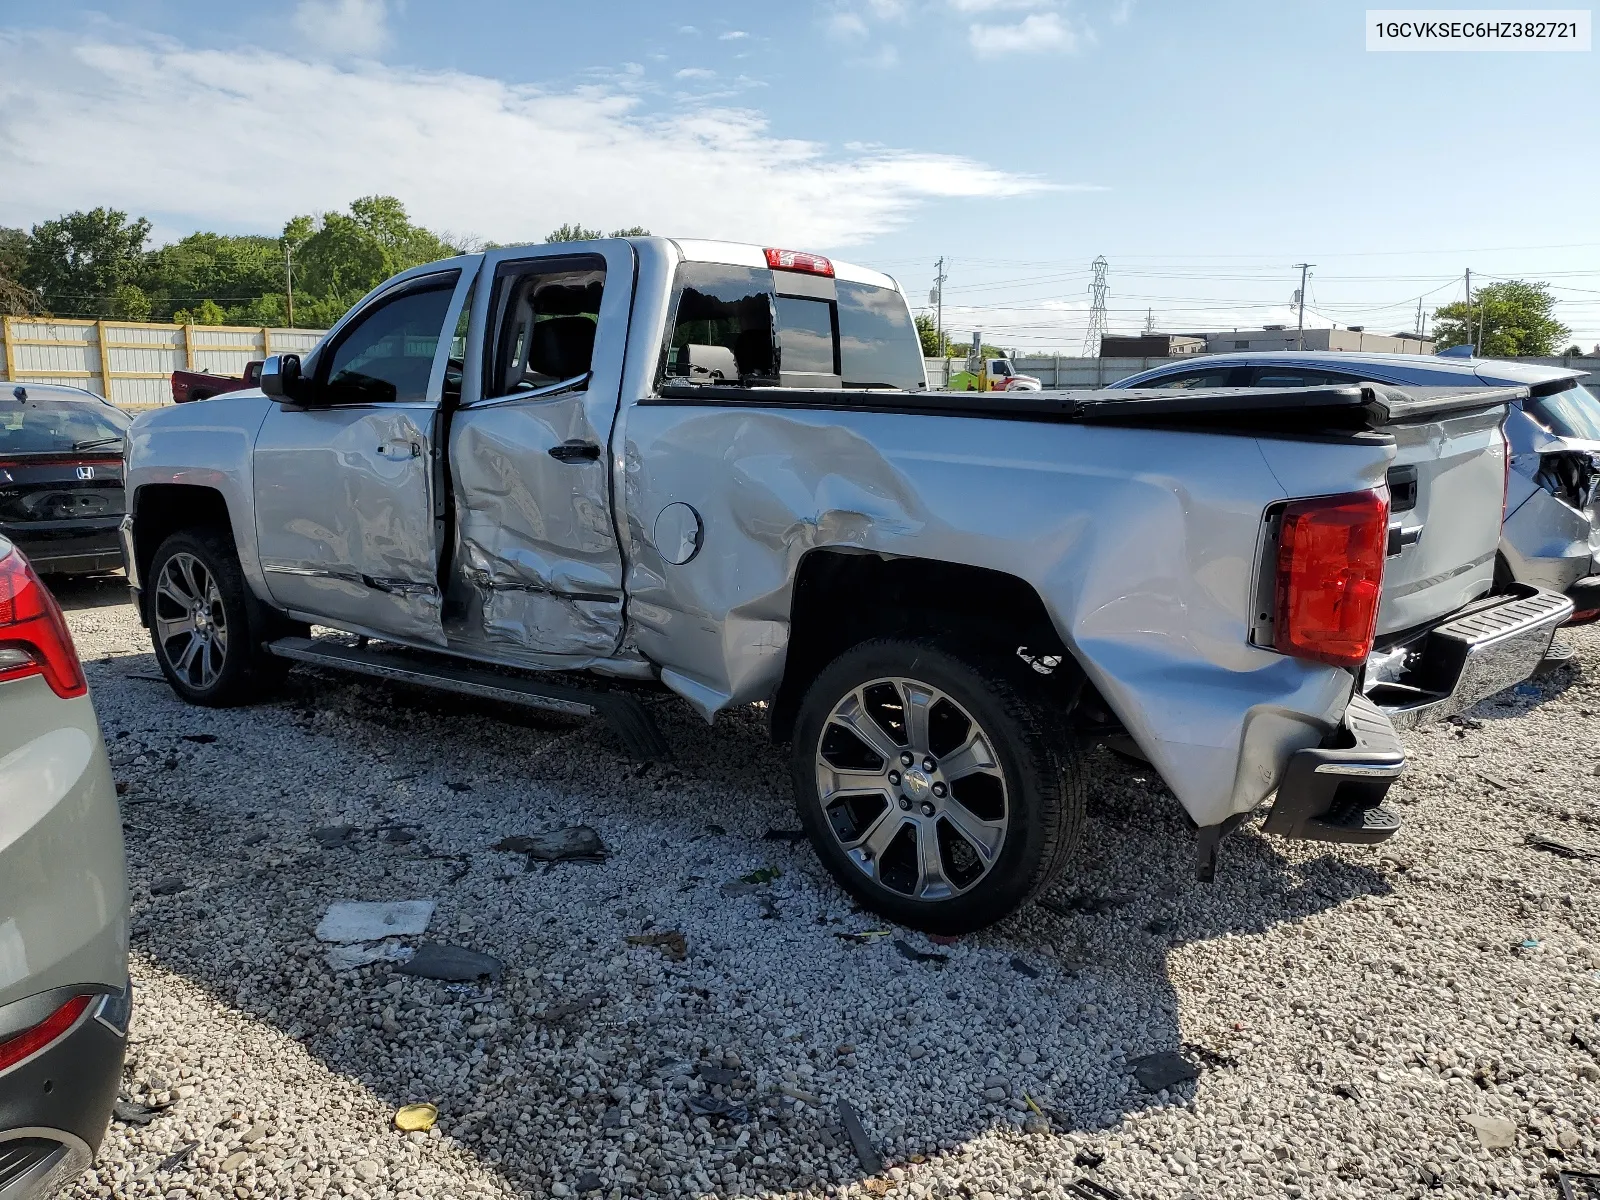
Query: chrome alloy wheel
[
  {"x": 912, "y": 789},
  {"x": 191, "y": 626}
]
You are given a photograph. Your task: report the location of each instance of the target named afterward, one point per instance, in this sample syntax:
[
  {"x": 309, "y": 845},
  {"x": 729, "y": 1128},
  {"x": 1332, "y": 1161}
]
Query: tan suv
[{"x": 64, "y": 991}]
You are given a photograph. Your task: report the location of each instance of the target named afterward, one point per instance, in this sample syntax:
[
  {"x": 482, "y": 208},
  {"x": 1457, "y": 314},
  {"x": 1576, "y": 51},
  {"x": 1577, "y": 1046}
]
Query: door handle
[
  {"x": 401, "y": 450},
  {"x": 575, "y": 451}
]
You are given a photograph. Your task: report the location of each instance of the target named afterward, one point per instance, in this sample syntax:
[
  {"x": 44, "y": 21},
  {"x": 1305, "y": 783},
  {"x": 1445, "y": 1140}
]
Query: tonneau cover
[{"x": 1348, "y": 407}]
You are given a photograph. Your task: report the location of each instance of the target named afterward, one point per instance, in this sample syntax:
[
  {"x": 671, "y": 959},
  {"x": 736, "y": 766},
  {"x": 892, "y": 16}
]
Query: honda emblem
[{"x": 85, "y": 472}]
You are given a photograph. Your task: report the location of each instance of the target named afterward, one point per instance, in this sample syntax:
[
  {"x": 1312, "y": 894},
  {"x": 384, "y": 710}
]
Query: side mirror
[{"x": 280, "y": 377}]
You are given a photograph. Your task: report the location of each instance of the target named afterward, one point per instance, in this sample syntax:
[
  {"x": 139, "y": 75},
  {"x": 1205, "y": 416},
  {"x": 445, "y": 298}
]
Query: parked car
[
  {"x": 61, "y": 477},
  {"x": 1551, "y": 535},
  {"x": 202, "y": 385},
  {"x": 64, "y": 991},
  {"x": 714, "y": 470}
]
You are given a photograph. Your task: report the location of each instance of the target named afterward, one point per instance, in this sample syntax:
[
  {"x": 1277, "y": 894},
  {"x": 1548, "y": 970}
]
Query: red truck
[{"x": 202, "y": 385}]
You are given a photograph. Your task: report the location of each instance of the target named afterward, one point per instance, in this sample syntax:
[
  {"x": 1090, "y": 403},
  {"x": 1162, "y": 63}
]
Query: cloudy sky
[{"x": 1202, "y": 149}]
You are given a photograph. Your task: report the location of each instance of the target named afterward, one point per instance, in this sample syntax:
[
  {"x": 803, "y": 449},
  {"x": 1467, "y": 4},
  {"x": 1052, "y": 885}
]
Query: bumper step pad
[{"x": 1334, "y": 793}]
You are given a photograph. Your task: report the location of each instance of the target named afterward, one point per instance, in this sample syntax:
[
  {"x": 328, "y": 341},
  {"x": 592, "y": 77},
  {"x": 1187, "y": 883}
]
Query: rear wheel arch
[{"x": 844, "y": 598}]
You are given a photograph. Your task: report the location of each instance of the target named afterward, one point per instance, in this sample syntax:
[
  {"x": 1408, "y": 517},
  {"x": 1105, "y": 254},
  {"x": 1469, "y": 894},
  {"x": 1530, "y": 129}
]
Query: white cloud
[
  {"x": 1034, "y": 34},
  {"x": 733, "y": 35},
  {"x": 979, "y": 6},
  {"x": 695, "y": 73},
  {"x": 462, "y": 151},
  {"x": 846, "y": 24},
  {"x": 341, "y": 27}
]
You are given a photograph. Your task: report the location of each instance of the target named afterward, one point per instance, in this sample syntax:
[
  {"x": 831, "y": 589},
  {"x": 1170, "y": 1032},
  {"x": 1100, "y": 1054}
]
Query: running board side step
[{"x": 627, "y": 716}]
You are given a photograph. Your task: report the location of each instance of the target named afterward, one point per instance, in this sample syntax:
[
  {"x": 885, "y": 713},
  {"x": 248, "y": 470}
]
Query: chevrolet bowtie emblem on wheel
[{"x": 85, "y": 472}]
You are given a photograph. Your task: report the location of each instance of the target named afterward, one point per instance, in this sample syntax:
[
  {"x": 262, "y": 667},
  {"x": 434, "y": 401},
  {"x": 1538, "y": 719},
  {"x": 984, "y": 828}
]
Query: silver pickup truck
[{"x": 589, "y": 475}]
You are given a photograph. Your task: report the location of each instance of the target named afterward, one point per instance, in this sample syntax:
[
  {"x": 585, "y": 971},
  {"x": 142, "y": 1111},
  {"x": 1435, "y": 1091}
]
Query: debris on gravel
[{"x": 1371, "y": 999}]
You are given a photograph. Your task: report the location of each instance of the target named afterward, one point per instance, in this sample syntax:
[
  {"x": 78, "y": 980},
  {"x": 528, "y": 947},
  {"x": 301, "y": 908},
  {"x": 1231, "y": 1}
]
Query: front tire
[
  {"x": 206, "y": 627},
  {"x": 939, "y": 789}
]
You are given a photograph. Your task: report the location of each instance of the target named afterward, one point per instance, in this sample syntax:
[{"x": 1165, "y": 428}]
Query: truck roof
[{"x": 744, "y": 254}]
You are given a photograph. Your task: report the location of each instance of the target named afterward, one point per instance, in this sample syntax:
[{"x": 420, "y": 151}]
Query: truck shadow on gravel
[{"x": 717, "y": 1072}]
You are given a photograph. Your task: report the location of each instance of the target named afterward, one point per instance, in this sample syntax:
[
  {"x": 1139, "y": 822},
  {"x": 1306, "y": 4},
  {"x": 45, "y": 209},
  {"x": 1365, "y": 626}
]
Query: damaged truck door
[
  {"x": 347, "y": 509},
  {"x": 538, "y": 575}
]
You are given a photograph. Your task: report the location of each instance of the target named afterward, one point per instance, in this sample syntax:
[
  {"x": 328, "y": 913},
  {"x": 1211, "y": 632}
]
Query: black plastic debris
[
  {"x": 1022, "y": 967},
  {"x": 334, "y": 837},
  {"x": 716, "y": 1076},
  {"x": 1550, "y": 846},
  {"x": 579, "y": 842},
  {"x": 399, "y": 835},
  {"x": 1578, "y": 1185},
  {"x": 589, "y": 1181},
  {"x": 1082, "y": 902},
  {"x": 784, "y": 835},
  {"x": 1088, "y": 1158},
  {"x": 719, "y": 1108},
  {"x": 866, "y": 1153},
  {"x": 1347, "y": 1089},
  {"x": 201, "y": 739},
  {"x": 136, "y": 1112},
  {"x": 459, "y": 787},
  {"x": 1088, "y": 1189},
  {"x": 569, "y": 1008},
  {"x": 716, "y": 830},
  {"x": 908, "y": 951},
  {"x": 1158, "y": 926},
  {"x": 451, "y": 964},
  {"x": 1156, "y": 1072},
  {"x": 169, "y": 885},
  {"x": 174, "y": 1160}
]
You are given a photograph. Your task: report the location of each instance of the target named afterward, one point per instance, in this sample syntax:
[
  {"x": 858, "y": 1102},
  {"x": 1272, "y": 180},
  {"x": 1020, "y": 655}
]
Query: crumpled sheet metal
[
  {"x": 536, "y": 544},
  {"x": 1142, "y": 544},
  {"x": 365, "y": 549}
]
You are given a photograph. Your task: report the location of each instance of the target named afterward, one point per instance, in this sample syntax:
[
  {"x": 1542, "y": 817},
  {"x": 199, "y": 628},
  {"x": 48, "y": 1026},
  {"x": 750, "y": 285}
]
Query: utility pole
[
  {"x": 1149, "y": 320},
  {"x": 1419, "y": 316},
  {"x": 288, "y": 280},
  {"x": 938, "y": 302},
  {"x": 1300, "y": 323},
  {"x": 1097, "y": 310},
  {"x": 1469, "y": 310}
]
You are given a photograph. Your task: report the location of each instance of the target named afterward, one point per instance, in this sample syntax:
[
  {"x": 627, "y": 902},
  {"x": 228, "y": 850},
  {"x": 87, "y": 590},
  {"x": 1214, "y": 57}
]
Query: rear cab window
[
  {"x": 757, "y": 327},
  {"x": 41, "y": 424},
  {"x": 546, "y": 313},
  {"x": 1573, "y": 412}
]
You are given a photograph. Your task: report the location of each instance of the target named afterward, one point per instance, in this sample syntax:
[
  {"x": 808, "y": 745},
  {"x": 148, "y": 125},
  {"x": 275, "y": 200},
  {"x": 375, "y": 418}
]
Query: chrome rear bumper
[{"x": 1446, "y": 669}]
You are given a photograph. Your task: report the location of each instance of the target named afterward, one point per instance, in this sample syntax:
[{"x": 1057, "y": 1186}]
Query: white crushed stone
[{"x": 1363, "y": 1012}]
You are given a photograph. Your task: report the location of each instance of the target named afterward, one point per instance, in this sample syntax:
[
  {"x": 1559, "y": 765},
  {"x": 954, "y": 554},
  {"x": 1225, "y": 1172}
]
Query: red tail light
[
  {"x": 798, "y": 260},
  {"x": 34, "y": 639},
  {"x": 1330, "y": 576},
  {"x": 30, "y": 1041}
]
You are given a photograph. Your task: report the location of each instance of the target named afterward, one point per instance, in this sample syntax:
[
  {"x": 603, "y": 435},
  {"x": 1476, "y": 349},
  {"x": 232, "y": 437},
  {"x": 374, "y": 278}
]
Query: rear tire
[
  {"x": 206, "y": 626},
  {"x": 951, "y": 847}
]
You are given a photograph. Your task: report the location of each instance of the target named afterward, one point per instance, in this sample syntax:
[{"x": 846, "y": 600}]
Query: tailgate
[{"x": 1446, "y": 489}]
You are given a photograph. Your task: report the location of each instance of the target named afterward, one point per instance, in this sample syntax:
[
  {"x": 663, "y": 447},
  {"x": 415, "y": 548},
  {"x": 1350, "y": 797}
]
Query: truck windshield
[
  {"x": 1573, "y": 413},
  {"x": 41, "y": 426}
]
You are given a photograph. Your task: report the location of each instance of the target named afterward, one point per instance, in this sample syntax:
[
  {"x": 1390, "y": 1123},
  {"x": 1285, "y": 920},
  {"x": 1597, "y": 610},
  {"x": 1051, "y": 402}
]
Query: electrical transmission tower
[{"x": 1097, "y": 310}]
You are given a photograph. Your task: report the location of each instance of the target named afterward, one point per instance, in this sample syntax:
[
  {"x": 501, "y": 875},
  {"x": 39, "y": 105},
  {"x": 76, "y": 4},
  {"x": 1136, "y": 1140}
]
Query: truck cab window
[
  {"x": 387, "y": 355},
  {"x": 806, "y": 338},
  {"x": 547, "y": 314},
  {"x": 878, "y": 344},
  {"x": 722, "y": 329}
]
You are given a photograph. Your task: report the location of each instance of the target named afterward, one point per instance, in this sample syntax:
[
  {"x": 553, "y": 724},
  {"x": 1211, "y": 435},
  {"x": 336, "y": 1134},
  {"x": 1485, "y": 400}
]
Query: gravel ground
[{"x": 1358, "y": 1014}]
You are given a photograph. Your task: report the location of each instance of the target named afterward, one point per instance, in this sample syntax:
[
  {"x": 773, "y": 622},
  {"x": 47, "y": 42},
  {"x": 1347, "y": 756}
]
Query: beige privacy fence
[{"x": 131, "y": 362}]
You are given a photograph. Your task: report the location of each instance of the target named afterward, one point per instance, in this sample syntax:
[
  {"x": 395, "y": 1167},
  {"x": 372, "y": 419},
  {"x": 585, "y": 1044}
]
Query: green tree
[
  {"x": 1515, "y": 317},
  {"x": 573, "y": 233},
  {"x": 962, "y": 349},
  {"x": 927, "y": 334},
  {"x": 1573, "y": 351},
  {"x": 129, "y": 303},
  {"x": 346, "y": 255},
  {"x": 207, "y": 312},
  {"x": 76, "y": 263},
  {"x": 15, "y": 300},
  {"x": 631, "y": 231},
  {"x": 228, "y": 270}
]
